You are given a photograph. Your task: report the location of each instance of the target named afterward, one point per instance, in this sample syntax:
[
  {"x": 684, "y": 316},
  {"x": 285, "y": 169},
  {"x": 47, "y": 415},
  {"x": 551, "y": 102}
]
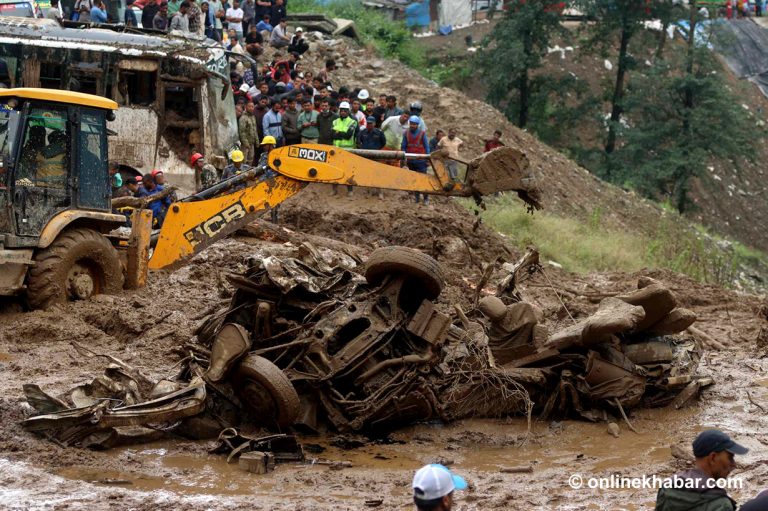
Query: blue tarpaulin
[{"x": 417, "y": 14}]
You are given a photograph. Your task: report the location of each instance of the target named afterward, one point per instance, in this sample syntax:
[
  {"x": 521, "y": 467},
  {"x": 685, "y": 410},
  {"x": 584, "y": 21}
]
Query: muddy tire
[
  {"x": 406, "y": 261},
  {"x": 266, "y": 391},
  {"x": 79, "y": 263}
]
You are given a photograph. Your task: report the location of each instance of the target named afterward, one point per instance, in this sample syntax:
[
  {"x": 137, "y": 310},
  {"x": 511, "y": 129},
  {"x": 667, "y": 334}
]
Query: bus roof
[
  {"x": 60, "y": 96},
  {"x": 49, "y": 33}
]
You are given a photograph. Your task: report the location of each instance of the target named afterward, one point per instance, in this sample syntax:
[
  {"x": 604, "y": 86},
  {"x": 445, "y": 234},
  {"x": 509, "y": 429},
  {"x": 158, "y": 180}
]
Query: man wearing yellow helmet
[
  {"x": 236, "y": 167},
  {"x": 267, "y": 144}
]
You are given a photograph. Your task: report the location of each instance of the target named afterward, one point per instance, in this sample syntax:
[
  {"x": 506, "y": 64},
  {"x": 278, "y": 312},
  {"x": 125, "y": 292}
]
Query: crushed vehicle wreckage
[{"x": 307, "y": 343}]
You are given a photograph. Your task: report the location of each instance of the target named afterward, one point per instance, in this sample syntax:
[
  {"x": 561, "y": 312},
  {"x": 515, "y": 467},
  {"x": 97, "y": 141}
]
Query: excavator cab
[{"x": 55, "y": 195}]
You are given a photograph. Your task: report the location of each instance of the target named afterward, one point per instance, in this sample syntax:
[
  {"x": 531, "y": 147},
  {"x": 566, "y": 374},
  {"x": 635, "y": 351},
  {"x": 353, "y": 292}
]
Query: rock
[
  {"x": 612, "y": 317},
  {"x": 656, "y": 300},
  {"x": 377, "y": 64},
  {"x": 613, "y": 429},
  {"x": 676, "y": 321}
]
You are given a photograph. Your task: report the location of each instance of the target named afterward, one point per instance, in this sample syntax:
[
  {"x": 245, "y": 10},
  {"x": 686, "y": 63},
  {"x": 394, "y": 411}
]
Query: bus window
[
  {"x": 50, "y": 75},
  {"x": 137, "y": 88}
]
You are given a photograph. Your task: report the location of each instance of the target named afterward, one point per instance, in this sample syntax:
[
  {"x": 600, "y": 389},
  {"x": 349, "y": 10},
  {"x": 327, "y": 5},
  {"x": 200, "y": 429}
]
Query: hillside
[{"x": 729, "y": 198}]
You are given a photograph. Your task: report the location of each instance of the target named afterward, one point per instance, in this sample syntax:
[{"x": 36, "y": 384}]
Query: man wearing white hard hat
[
  {"x": 433, "y": 487},
  {"x": 298, "y": 43}
]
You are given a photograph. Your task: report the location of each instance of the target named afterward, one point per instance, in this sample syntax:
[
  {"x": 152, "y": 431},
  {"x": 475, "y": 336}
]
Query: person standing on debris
[
  {"x": 714, "y": 452},
  {"x": 308, "y": 123},
  {"x": 53, "y": 13},
  {"x": 253, "y": 42},
  {"x": 416, "y": 109},
  {"x": 392, "y": 108},
  {"x": 325, "y": 73},
  {"x": 248, "y": 131},
  {"x": 180, "y": 20},
  {"x": 277, "y": 12},
  {"x": 452, "y": 144},
  {"x": 290, "y": 123},
  {"x": 160, "y": 21},
  {"x": 325, "y": 120},
  {"x": 344, "y": 129},
  {"x": 148, "y": 10},
  {"x": 439, "y": 134},
  {"x": 433, "y": 487},
  {"x": 273, "y": 123},
  {"x": 415, "y": 142},
  {"x": 205, "y": 174},
  {"x": 98, "y": 12},
  {"x": 195, "y": 17},
  {"x": 394, "y": 128},
  {"x": 279, "y": 37},
  {"x": 372, "y": 138},
  {"x": 235, "y": 19},
  {"x": 495, "y": 142},
  {"x": 216, "y": 11},
  {"x": 249, "y": 14}
]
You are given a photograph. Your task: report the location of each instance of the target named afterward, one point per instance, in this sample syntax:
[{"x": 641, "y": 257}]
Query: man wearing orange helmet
[{"x": 205, "y": 173}]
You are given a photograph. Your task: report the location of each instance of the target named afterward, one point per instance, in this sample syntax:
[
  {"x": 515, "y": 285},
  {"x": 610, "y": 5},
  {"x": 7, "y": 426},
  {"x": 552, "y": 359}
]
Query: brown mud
[{"x": 145, "y": 328}]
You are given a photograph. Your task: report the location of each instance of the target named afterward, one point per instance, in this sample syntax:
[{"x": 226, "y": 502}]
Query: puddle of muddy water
[{"x": 476, "y": 446}]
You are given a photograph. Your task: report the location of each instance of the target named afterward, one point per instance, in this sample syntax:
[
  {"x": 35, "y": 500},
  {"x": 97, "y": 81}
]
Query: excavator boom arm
[{"x": 195, "y": 223}]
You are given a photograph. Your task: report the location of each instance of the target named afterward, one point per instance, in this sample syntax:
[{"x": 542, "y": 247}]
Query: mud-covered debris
[{"x": 504, "y": 169}]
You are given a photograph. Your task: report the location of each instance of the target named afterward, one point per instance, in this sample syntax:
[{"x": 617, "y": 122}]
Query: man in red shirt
[{"x": 493, "y": 143}]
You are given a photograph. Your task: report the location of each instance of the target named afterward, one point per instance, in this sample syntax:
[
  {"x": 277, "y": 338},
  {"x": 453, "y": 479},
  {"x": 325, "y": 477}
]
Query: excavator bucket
[{"x": 504, "y": 169}]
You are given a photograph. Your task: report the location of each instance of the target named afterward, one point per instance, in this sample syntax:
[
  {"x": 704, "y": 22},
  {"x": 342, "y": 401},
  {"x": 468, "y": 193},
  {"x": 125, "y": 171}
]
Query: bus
[{"x": 174, "y": 91}]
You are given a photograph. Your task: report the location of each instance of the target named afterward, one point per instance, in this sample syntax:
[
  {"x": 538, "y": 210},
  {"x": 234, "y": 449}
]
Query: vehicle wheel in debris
[
  {"x": 408, "y": 261},
  {"x": 267, "y": 391},
  {"x": 80, "y": 263}
]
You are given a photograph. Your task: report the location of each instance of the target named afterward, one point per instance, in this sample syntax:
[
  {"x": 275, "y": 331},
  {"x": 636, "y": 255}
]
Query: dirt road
[{"x": 145, "y": 328}]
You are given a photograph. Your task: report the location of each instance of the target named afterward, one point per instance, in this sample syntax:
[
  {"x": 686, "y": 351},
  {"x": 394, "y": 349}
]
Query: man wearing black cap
[{"x": 714, "y": 452}]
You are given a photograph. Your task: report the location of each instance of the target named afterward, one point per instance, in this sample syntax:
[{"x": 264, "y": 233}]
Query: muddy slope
[{"x": 146, "y": 328}]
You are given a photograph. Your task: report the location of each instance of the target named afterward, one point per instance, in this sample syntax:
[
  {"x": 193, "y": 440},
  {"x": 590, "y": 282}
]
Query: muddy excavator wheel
[
  {"x": 79, "y": 263},
  {"x": 407, "y": 261},
  {"x": 267, "y": 391}
]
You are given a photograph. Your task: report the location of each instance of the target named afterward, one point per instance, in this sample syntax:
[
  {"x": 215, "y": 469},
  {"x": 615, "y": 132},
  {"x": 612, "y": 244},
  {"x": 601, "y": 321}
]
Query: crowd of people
[
  {"x": 292, "y": 105},
  {"x": 278, "y": 102}
]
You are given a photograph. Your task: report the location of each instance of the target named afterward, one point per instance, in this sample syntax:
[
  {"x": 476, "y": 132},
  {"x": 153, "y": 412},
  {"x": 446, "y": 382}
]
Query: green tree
[
  {"x": 623, "y": 18},
  {"x": 513, "y": 51},
  {"x": 681, "y": 115}
]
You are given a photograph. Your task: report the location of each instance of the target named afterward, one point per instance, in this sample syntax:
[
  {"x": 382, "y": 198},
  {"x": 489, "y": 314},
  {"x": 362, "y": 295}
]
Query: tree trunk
[
  {"x": 524, "y": 83},
  {"x": 618, "y": 91},
  {"x": 686, "y": 171}
]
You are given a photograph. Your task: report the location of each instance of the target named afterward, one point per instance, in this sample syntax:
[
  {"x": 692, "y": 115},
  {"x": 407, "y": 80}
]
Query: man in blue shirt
[
  {"x": 98, "y": 12},
  {"x": 272, "y": 123}
]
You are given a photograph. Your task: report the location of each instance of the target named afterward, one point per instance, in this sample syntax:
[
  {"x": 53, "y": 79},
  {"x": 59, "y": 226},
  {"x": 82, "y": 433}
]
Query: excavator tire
[
  {"x": 267, "y": 391},
  {"x": 406, "y": 261},
  {"x": 79, "y": 263}
]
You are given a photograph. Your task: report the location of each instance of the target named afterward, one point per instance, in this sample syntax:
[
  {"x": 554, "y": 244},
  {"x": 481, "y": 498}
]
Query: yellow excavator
[{"x": 58, "y": 234}]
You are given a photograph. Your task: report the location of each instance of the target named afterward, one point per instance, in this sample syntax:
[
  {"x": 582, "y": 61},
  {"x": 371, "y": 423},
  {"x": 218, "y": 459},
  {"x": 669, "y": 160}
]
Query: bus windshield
[{"x": 19, "y": 10}]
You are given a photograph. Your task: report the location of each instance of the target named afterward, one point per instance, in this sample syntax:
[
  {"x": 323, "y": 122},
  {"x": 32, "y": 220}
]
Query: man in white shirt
[
  {"x": 279, "y": 37},
  {"x": 393, "y": 128},
  {"x": 235, "y": 18},
  {"x": 451, "y": 144}
]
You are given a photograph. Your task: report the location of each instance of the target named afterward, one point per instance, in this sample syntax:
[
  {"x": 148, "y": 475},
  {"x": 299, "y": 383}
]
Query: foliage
[
  {"x": 676, "y": 121},
  {"x": 590, "y": 245},
  {"x": 515, "y": 48},
  {"x": 392, "y": 38}
]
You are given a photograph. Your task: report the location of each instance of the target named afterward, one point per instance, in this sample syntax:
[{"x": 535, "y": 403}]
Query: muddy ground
[{"x": 146, "y": 327}]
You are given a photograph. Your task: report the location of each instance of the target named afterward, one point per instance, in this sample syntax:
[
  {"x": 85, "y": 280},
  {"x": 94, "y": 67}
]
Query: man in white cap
[
  {"x": 433, "y": 487},
  {"x": 298, "y": 43}
]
